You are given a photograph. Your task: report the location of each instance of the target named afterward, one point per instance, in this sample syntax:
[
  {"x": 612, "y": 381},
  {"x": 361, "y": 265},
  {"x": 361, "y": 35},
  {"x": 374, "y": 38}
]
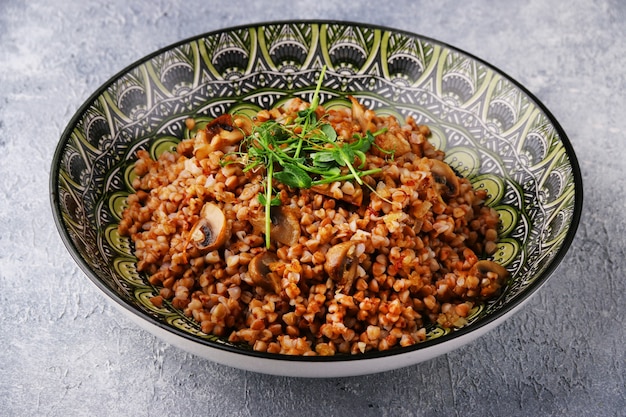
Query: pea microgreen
[{"x": 302, "y": 153}]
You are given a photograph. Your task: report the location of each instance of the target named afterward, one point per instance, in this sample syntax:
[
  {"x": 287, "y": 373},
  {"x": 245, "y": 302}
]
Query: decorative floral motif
[{"x": 493, "y": 132}]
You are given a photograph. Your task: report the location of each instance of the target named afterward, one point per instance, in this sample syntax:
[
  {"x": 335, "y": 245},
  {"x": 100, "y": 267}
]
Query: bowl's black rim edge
[{"x": 519, "y": 299}]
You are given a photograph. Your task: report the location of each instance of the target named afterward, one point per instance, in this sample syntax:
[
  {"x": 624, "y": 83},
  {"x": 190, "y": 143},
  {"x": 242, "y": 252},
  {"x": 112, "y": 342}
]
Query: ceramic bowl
[{"x": 494, "y": 132}]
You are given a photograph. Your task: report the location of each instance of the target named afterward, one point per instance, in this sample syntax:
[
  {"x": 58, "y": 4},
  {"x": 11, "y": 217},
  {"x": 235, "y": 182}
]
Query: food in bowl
[
  {"x": 312, "y": 231},
  {"x": 493, "y": 131}
]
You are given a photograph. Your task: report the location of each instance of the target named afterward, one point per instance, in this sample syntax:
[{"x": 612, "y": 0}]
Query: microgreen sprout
[{"x": 303, "y": 153}]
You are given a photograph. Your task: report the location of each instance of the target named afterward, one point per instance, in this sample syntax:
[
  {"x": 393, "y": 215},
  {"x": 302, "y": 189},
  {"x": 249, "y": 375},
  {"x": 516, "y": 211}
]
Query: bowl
[{"x": 493, "y": 130}]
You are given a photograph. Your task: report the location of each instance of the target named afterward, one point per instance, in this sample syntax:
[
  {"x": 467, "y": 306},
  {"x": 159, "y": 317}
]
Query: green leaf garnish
[
  {"x": 330, "y": 133},
  {"x": 293, "y": 176},
  {"x": 273, "y": 202}
]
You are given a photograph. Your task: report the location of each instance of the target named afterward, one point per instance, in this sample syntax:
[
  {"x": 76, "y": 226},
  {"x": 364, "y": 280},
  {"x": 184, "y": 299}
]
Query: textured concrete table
[{"x": 65, "y": 351}]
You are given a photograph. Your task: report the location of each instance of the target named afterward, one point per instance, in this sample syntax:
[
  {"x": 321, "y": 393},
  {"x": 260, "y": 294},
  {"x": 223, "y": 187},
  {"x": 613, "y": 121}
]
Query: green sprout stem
[
  {"x": 268, "y": 202},
  {"x": 346, "y": 177},
  {"x": 314, "y": 103},
  {"x": 355, "y": 174}
]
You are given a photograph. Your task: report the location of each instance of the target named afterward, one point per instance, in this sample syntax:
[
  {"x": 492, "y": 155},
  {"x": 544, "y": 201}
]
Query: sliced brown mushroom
[
  {"x": 285, "y": 226},
  {"x": 223, "y": 122},
  {"x": 486, "y": 269},
  {"x": 363, "y": 117},
  {"x": 341, "y": 265},
  {"x": 218, "y": 134},
  {"x": 355, "y": 198},
  {"x": 212, "y": 229},
  {"x": 386, "y": 141},
  {"x": 445, "y": 177},
  {"x": 390, "y": 142},
  {"x": 261, "y": 274},
  {"x": 483, "y": 267}
]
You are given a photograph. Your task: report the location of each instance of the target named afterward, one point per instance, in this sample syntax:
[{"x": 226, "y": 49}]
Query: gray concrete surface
[{"x": 65, "y": 351}]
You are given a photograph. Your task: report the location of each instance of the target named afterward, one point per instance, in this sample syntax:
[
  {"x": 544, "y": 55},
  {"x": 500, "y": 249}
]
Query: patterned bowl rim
[{"x": 492, "y": 319}]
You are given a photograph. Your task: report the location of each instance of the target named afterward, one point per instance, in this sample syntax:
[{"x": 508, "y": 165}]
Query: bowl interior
[{"x": 493, "y": 131}]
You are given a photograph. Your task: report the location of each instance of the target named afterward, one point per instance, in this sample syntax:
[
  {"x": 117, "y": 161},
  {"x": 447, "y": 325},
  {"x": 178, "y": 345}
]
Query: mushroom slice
[
  {"x": 261, "y": 274},
  {"x": 389, "y": 141},
  {"x": 362, "y": 116},
  {"x": 285, "y": 226},
  {"x": 355, "y": 199},
  {"x": 212, "y": 229},
  {"x": 486, "y": 269},
  {"x": 386, "y": 141},
  {"x": 445, "y": 177},
  {"x": 341, "y": 264},
  {"x": 483, "y": 267},
  {"x": 223, "y": 122},
  {"x": 218, "y": 134}
]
